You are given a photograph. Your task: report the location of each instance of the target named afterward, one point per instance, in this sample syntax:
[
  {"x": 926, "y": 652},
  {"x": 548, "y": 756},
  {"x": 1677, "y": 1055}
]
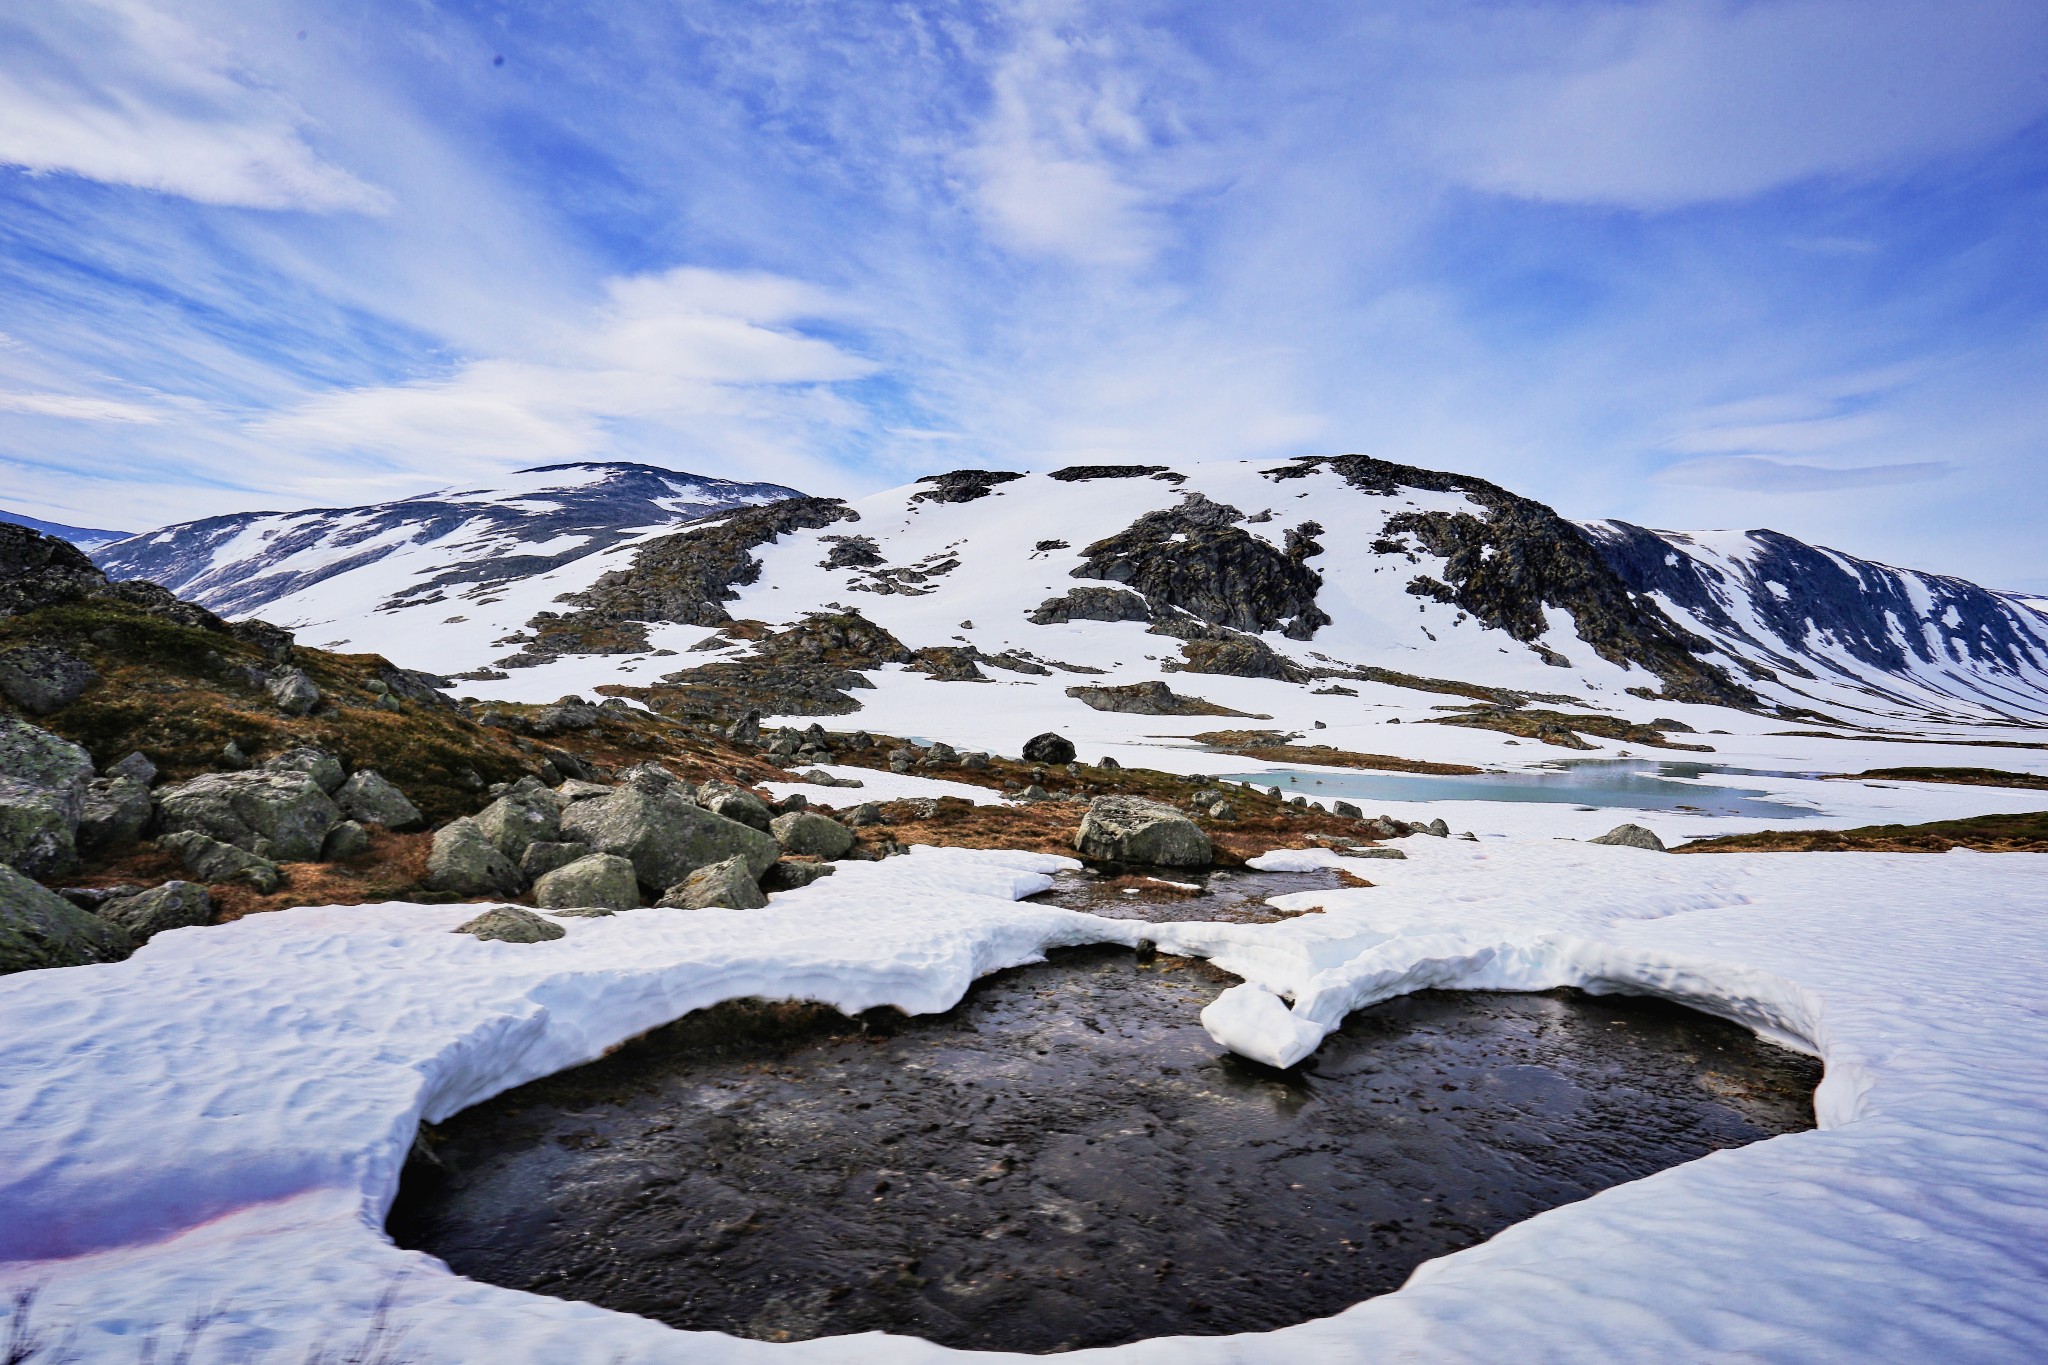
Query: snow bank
[{"x": 221, "y": 1120}]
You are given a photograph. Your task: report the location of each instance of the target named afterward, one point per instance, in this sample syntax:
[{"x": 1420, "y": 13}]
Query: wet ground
[{"x": 1067, "y": 1159}]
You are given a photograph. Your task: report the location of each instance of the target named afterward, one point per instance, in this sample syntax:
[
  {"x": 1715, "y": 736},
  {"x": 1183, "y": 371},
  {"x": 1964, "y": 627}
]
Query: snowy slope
[
  {"x": 84, "y": 537},
  {"x": 386, "y": 577},
  {"x": 219, "y": 1122},
  {"x": 1844, "y": 633}
]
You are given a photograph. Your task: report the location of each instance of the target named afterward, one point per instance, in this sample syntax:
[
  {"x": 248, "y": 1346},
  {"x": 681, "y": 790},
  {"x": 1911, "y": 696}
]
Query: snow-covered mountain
[
  {"x": 84, "y": 537},
  {"x": 383, "y": 576}
]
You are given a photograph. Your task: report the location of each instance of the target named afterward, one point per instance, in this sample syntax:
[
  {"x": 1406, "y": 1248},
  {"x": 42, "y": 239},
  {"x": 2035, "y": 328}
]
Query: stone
[
  {"x": 345, "y": 841},
  {"x": 735, "y": 803},
  {"x": 795, "y": 801},
  {"x": 666, "y": 835},
  {"x": 818, "y": 777},
  {"x": 1109, "y": 763},
  {"x": 789, "y": 875},
  {"x": 516, "y": 820},
  {"x": 281, "y": 815},
  {"x": 818, "y": 835},
  {"x": 1374, "y": 853},
  {"x": 1347, "y": 809},
  {"x": 939, "y": 755},
  {"x": 567, "y": 714},
  {"x": 1631, "y": 836},
  {"x": 544, "y": 856},
  {"x": 745, "y": 730},
  {"x": 575, "y": 790},
  {"x": 116, "y": 812},
  {"x": 317, "y": 764},
  {"x": 42, "y": 795},
  {"x": 725, "y": 885},
  {"x": 511, "y": 924},
  {"x": 210, "y": 860},
  {"x": 1034, "y": 792},
  {"x": 1049, "y": 748},
  {"x": 1131, "y": 829},
  {"x": 136, "y": 768},
  {"x": 596, "y": 879},
  {"x": 40, "y": 929},
  {"x": 1223, "y": 810},
  {"x": 865, "y": 814},
  {"x": 902, "y": 760},
  {"x": 464, "y": 862},
  {"x": 1442, "y": 830},
  {"x": 368, "y": 797},
  {"x": 292, "y": 692},
  {"x": 174, "y": 905},
  {"x": 648, "y": 776},
  {"x": 974, "y": 760},
  {"x": 42, "y": 678},
  {"x": 232, "y": 757},
  {"x": 584, "y": 912}
]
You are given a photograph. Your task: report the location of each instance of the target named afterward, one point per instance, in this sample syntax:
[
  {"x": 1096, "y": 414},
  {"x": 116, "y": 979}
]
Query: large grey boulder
[
  {"x": 726, "y": 885},
  {"x": 136, "y": 767},
  {"x": 42, "y": 678},
  {"x": 1049, "y": 747},
  {"x": 789, "y": 875},
  {"x": 292, "y": 692},
  {"x": 735, "y": 803},
  {"x": 464, "y": 862},
  {"x": 666, "y": 835},
  {"x": 42, "y": 795},
  {"x": 512, "y": 924},
  {"x": 174, "y": 905},
  {"x": 368, "y": 797},
  {"x": 39, "y": 928},
  {"x": 317, "y": 764},
  {"x": 1631, "y": 836},
  {"x": 210, "y": 860},
  {"x": 345, "y": 841},
  {"x": 543, "y": 856},
  {"x": 818, "y": 835},
  {"x": 116, "y": 812},
  {"x": 279, "y": 815},
  {"x": 518, "y": 819},
  {"x": 1130, "y": 829},
  {"x": 599, "y": 879}
]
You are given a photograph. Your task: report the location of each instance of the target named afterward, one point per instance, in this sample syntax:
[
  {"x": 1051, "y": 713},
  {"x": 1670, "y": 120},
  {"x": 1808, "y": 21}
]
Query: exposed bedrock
[
  {"x": 1147, "y": 699},
  {"x": 1193, "y": 556},
  {"x": 39, "y": 928}
]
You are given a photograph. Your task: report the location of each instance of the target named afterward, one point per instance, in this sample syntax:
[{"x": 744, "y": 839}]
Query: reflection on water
[{"x": 1635, "y": 784}]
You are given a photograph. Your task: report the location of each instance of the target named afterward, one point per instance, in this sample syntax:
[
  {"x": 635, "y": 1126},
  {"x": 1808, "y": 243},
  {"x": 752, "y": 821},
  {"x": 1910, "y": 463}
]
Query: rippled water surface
[{"x": 1633, "y": 784}]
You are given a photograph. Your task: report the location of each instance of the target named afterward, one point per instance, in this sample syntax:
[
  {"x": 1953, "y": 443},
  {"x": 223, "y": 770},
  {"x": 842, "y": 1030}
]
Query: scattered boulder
[
  {"x": 1630, "y": 836},
  {"x": 789, "y": 874},
  {"x": 597, "y": 879},
  {"x": 939, "y": 755},
  {"x": 116, "y": 812},
  {"x": 795, "y": 801},
  {"x": 517, "y": 819},
  {"x": 1441, "y": 830},
  {"x": 1347, "y": 809},
  {"x": 464, "y": 862},
  {"x": 902, "y": 760},
  {"x": 569, "y": 713},
  {"x": 745, "y": 730},
  {"x": 544, "y": 856},
  {"x": 865, "y": 814},
  {"x": 174, "y": 905},
  {"x": 347, "y": 840},
  {"x": 974, "y": 760},
  {"x": 42, "y": 678},
  {"x": 1374, "y": 853},
  {"x": 39, "y": 929},
  {"x": 511, "y": 924},
  {"x": 817, "y": 835},
  {"x": 1049, "y": 748},
  {"x": 1223, "y": 810},
  {"x": 577, "y": 790},
  {"x": 1109, "y": 763},
  {"x": 280, "y": 815},
  {"x": 735, "y": 803},
  {"x": 818, "y": 777},
  {"x": 665, "y": 834},
  {"x": 323, "y": 767},
  {"x": 292, "y": 692},
  {"x": 725, "y": 885},
  {"x": 1130, "y": 829},
  {"x": 136, "y": 768},
  {"x": 367, "y": 796},
  {"x": 210, "y": 860},
  {"x": 42, "y": 795}
]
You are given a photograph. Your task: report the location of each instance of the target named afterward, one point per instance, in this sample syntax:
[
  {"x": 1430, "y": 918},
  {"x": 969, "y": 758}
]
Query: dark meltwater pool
[{"x": 1066, "y": 1159}]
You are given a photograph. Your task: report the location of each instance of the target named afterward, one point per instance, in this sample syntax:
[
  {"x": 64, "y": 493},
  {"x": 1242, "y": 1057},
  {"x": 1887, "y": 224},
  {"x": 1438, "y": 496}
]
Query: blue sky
[{"x": 1687, "y": 262}]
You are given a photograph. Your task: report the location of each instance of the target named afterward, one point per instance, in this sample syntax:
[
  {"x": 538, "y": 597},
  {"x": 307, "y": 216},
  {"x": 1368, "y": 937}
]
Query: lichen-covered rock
[
  {"x": 516, "y": 820},
  {"x": 323, "y": 767},
  {"x": 597, "y": 879},
  {"x": 1049, "y": 748},
  {"x": 575, "y": 790},
  {"x": 345, "y": 841},
  {"x": 543, "y": 856},
  {"x": 281, "y": 815},
  {"x": 464, "y": 862},
  {"x": 1628, "y": 836},
  {"x": 42, "y": 678},
  {"x": 735, "y": 803},
  {"x": 666, "y": 835},
  {"x": 819, "y": 836},
  {"x": 865, "y": 814},
  {"x": 292, "y": 692},
  {"x": 42, "y": 794},
  {"x": 789, "y": 875},
  {"x": 174, "y": 905},
  {"x": 369, "y": 797},
  {"x": 136, "y": 768},
  {"x": 116, "y": 812},
  {"x": 511, "y": 924},
  {"x": 39, "y": 928},
  {"x": 726, "y": 885},
  {"x": 1130, "y": 829},
  {"x": 210, "y": 860}
]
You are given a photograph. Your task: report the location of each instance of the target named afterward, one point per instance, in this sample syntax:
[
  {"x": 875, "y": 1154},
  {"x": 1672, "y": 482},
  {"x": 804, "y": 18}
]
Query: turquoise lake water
[{"x": 1630, "y": 784}]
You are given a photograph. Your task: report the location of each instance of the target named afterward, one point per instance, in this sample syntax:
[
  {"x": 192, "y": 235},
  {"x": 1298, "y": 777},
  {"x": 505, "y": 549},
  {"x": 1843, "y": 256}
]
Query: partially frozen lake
[{"x": 1626, "y": 783}]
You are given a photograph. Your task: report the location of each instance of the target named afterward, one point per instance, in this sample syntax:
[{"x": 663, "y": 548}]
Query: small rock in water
[
  {"x": 512, "y": 924},
  {"x": 1631, "y": 836}
]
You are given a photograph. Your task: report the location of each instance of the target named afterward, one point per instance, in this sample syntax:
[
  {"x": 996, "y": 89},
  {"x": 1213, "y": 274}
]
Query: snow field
[{"x": 221, "y": 1120}]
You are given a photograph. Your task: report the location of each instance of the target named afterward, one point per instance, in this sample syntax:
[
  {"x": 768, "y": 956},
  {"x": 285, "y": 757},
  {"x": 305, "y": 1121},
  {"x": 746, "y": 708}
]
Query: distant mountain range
[
  {"x": 1324, "y": 573},
  {"x": 84, "y": 537}
]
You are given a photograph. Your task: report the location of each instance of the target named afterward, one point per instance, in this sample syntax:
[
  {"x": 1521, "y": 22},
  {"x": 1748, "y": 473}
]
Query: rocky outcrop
[
  {"x": 805, "y": 833},
  {"x": 216, "y": 863},
  {"x": 1147, "y": 699},
  {"x": 368, "y": 797},
  {"x": 735, "y": 803},
  {"x": 963, "y": 485},
  {"x": 40, "y": 929},
  {"x": 726, "y": 885},
  {"x": 602, "y": 880},
  {"x": 464, "y": 862},
  {"x": 1237, "y": 656},
  {"x": 323, "y": 767},
  {"x": 665, "y": 835},
  {"x": 1084, "y": 473},
  {"x": 1195, "y": 558},
  {"x": 292, "y": 692},
  {"x": 519, "y": 819},
  {"x": 279, "y": 815},
  {"x": 174, "y": 905},
  {"x": 42, "y": 678},
  {"x": 43, "y": 783},
  {"x": 1091, "y": 604},
  {"x": 511, "y": 924},
  {"x": 808, "y": 668},
  {"x": 1130, "y": 829}
]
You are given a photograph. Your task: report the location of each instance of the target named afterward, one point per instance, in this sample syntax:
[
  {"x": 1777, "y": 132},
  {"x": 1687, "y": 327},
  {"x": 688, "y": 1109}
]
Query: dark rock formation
[
  {"x": 1049, "y": 747},
  {"x": 963, "y": 485},
  {"x": 1237, "y": 656},
  {"x": 42, "y": 678},
  {"x": 808, "y": 668},
  {"x": 1147, "y": 699},
  {"x": 1091, "y": 604},
  {"x": 40, "y": 929},
  {"x": 1194, "y": 557},
  {"x": 1082, "y": 473},
  {"x": 367, "y": 796}
]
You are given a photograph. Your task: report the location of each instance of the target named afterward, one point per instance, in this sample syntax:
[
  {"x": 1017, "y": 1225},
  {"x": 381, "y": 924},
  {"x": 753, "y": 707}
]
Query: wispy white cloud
[
  {"x": 82, "y": 408},
  {"x": 122, "y": 92},
  {"x": 1755, "y": 474}
]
